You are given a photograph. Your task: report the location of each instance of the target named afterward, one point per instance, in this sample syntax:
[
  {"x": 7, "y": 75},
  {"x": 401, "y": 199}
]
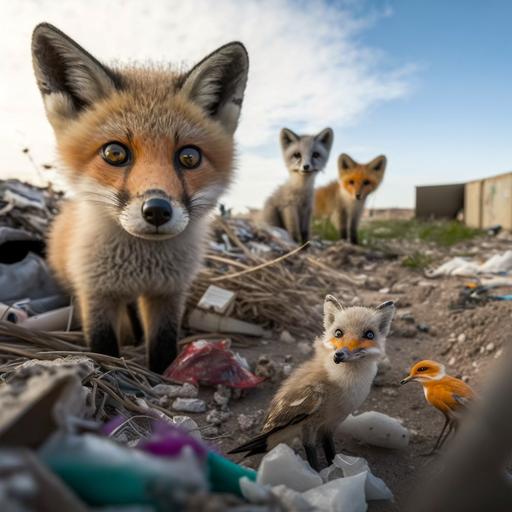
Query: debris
[
  {"x": 247, "y": 422},
  {"x": 187, "y": 390},
  {"x": 497, "y": 264},
  {"x": 377, "y": 429},
  {"x": 189, "y": 405},
  {"x": 211, "y": 363},
  {"x": 423, "y": 328},
  {"x": 340, "y": 495},
  {"x": 56, "y": 320},
  {"x": 282, "y": 466},
  {"x": 187, "y": 424},
  {"x": 375, "y": 488},
  {"x": 217, "y": 299},
  {"x": 212, "y": 322},
  {"x": 267, "y": 369},
  {"x": 222, "y": 396}
]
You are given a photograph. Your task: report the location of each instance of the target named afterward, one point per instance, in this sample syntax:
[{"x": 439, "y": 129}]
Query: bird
[
  {"x": 324, "y": 390},
  {"x": 448, "y": 394}
]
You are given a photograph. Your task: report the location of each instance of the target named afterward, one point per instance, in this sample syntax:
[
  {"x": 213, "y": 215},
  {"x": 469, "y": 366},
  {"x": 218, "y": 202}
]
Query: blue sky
[
  {"x": 455, "y": 123},
  {"x": 428, "y": 83}
]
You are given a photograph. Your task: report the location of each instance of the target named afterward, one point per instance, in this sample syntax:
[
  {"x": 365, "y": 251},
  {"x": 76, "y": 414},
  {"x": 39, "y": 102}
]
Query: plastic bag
[{"x": 211, "y": 363}]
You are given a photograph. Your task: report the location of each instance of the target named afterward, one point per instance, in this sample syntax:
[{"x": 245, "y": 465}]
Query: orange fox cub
[
  {"x": 447, "y": 394},
  {"x": 148, "y": 151},
  {"x": 342, "y": 201}
]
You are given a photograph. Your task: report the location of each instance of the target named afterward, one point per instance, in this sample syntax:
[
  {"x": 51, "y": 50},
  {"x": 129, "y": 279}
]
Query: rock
[
  {"x": 210, "y": 431},
  {"x": 498, "y": 354},
  {"x": 267, "y": 368},
  {"x": 288, "y": 358},
  {"x": 222, "y": 395},
  {"x": 408, "y": 318},
  {"x": 247, "y": 422},
  {"x": 384, "y": 291},
  {"x": 452, "y": 361},
  {"x": 490, "y": 347},
  {"x": 305, "y": 348},
  {"x": 287, "y": 369},
  {"x": 282, "y": 466},
  {"x": 423, "y": 327},
  {"x": 172, "y": 391},
  {"x": 187, "y": 424},
  {"x": 286, "y": 337},
  {"x": 392, "y": 392},
  {"x": 461, "y": 338},
  {"x": 189, "y": 405},
  {"x": 214, "y": 417}
]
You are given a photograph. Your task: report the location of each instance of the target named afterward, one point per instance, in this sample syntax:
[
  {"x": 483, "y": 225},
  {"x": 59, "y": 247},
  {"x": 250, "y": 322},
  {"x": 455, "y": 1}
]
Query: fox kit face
[
  {"x": 360, "y": 180},
  {"x": 153, "y": 149},
  {"x": 355, "y": 333},
  {"x": 306, "y": 154}
]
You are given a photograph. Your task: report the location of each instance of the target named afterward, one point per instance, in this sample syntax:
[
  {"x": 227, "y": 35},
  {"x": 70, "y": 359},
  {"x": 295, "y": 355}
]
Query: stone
[
  {"x": 173, "y": 391},
  {"x": 189, "y": 405}
]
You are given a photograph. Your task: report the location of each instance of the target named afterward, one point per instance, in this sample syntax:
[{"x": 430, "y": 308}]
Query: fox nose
[
  {"x": 340, "y": 356},
  {"x": 157, "y": 211},
  {"x": 306, "y": 167},
  {"x": 358, "y": 196}
]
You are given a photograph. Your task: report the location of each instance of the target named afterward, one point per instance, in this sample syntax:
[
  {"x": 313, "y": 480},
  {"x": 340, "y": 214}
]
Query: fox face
[
  {"x": 357, "y": 332},
  {"x": 360, "y": 180},
  {"x": 152, "y": 148},
  {"x": 306, "y": 154}
]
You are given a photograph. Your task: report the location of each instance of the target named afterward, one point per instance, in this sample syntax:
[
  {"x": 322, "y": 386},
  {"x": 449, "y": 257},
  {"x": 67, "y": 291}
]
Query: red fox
[
  {"x": 148, "y": 151},
  {"x": 342, "y": 201}
]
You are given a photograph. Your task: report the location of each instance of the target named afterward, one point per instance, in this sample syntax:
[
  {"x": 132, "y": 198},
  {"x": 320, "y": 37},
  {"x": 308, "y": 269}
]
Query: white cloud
[{"x": 308, "y": 69}]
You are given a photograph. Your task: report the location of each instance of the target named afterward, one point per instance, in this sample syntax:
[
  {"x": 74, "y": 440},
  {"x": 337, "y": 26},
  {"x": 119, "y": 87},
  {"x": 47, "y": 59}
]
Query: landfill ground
[
  {"x": 430, "y": 324},
  {"x": 281, "y": 288}
]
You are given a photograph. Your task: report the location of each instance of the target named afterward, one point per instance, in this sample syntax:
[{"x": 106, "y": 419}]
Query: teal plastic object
[
  {"x": 102, "y": 473},
  {"x": 224, "y": 475}
]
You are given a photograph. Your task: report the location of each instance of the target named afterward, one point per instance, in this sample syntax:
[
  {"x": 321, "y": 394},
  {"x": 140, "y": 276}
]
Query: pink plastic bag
[{"x": 211, "y": 363}]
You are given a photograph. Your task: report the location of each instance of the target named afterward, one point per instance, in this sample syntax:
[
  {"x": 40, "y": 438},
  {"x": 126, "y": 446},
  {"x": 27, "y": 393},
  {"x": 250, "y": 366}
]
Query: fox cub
[
  {"x": 290, "y": 207},
  {"x": 343, "y": 201},
  {"x": 148, "y": 151}
]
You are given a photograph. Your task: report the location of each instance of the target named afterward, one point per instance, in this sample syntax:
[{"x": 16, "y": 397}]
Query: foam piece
[
  {"x": 377, "y": 429},
  {"x": 340, "y": 495},
  {"x": 282, "y": 466}
]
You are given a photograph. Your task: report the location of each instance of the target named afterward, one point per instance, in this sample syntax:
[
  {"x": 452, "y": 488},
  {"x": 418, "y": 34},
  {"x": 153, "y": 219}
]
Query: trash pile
[{"x": 143, "y": 456}]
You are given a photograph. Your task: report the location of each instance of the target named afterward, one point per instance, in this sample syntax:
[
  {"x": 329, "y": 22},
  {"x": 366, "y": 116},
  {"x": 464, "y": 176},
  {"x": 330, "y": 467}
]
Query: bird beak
[
  {"x": 344, "y": 355},
  {"x": 407, "y": 379}
]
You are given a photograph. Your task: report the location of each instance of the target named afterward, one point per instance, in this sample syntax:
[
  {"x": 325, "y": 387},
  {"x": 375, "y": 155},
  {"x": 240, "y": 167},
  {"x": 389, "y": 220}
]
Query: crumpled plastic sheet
[
  {"x": 497, "y": 264},
  {"x": 211, "y": 363}
]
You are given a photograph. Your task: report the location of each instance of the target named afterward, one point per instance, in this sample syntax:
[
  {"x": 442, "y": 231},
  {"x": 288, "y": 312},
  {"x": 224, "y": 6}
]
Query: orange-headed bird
[{"x": 448, "y": 394}]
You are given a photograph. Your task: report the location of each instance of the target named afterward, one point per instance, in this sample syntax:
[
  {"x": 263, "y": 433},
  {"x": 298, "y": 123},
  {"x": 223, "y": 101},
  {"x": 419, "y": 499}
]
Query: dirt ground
[{"x": 431, "y": 322}]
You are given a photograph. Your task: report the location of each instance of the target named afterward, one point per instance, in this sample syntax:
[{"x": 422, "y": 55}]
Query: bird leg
[
  {"x": 328, "y": 447},
  {"x": 311, "y": 456},
  {"x": 450, "y": 429},
  {"x": 438, "y": 443}
]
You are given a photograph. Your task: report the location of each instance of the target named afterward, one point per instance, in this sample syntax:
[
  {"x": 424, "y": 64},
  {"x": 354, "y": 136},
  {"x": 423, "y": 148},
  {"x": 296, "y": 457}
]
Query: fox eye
[
  {"x": 189, "y": 157},
  {"x": 366, "y": 182},
  {"x": 316, "y": 154},
  {"x": 296, "y": 155},
  {"x": 351, "y": 182},
  {"x": 338, "y": 333},
  {"x": 422, "y": 369},
  {"x": 369, "y": 334},
  {"x": 115, "y": 153}
]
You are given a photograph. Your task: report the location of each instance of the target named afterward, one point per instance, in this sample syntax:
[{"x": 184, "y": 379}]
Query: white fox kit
[
  {"x": 290, "y": 207},
  {"x": 343, "y": 201},
  {"x": 322, "y": 392},
  {"x": 148, "y": 152}
]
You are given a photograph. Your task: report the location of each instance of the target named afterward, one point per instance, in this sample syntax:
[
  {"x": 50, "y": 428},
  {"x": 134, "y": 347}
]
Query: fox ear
[
  {"x": 345, "y": 163},
  {"x": 69, "y": 78},
  {"x": 378, "y": 164},
  {"x": 325, "y": 137},
  {"x": 217, "y": 84},
  {"x": 287, "y": 137},
  {"x": 331, "y": 306},
  {"x": 387, "y": 311}
]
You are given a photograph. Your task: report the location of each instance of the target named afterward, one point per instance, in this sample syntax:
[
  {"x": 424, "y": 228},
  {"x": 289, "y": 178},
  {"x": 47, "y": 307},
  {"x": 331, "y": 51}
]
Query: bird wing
[{"x": 294, "y": 406}]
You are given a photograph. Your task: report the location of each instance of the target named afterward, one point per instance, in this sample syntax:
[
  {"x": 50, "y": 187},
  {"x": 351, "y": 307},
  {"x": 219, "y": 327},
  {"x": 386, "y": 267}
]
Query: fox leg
[
  {"x": 353, "y": 230},
  {"x": 161, "y": 318},
  {"x": 100, "y": 323},
  {"x": 305, "y": 225},
  {"x": 328, "y": 447},
  {"x": 342, "y": 225},
  {"x": 292, "y": 222}
]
